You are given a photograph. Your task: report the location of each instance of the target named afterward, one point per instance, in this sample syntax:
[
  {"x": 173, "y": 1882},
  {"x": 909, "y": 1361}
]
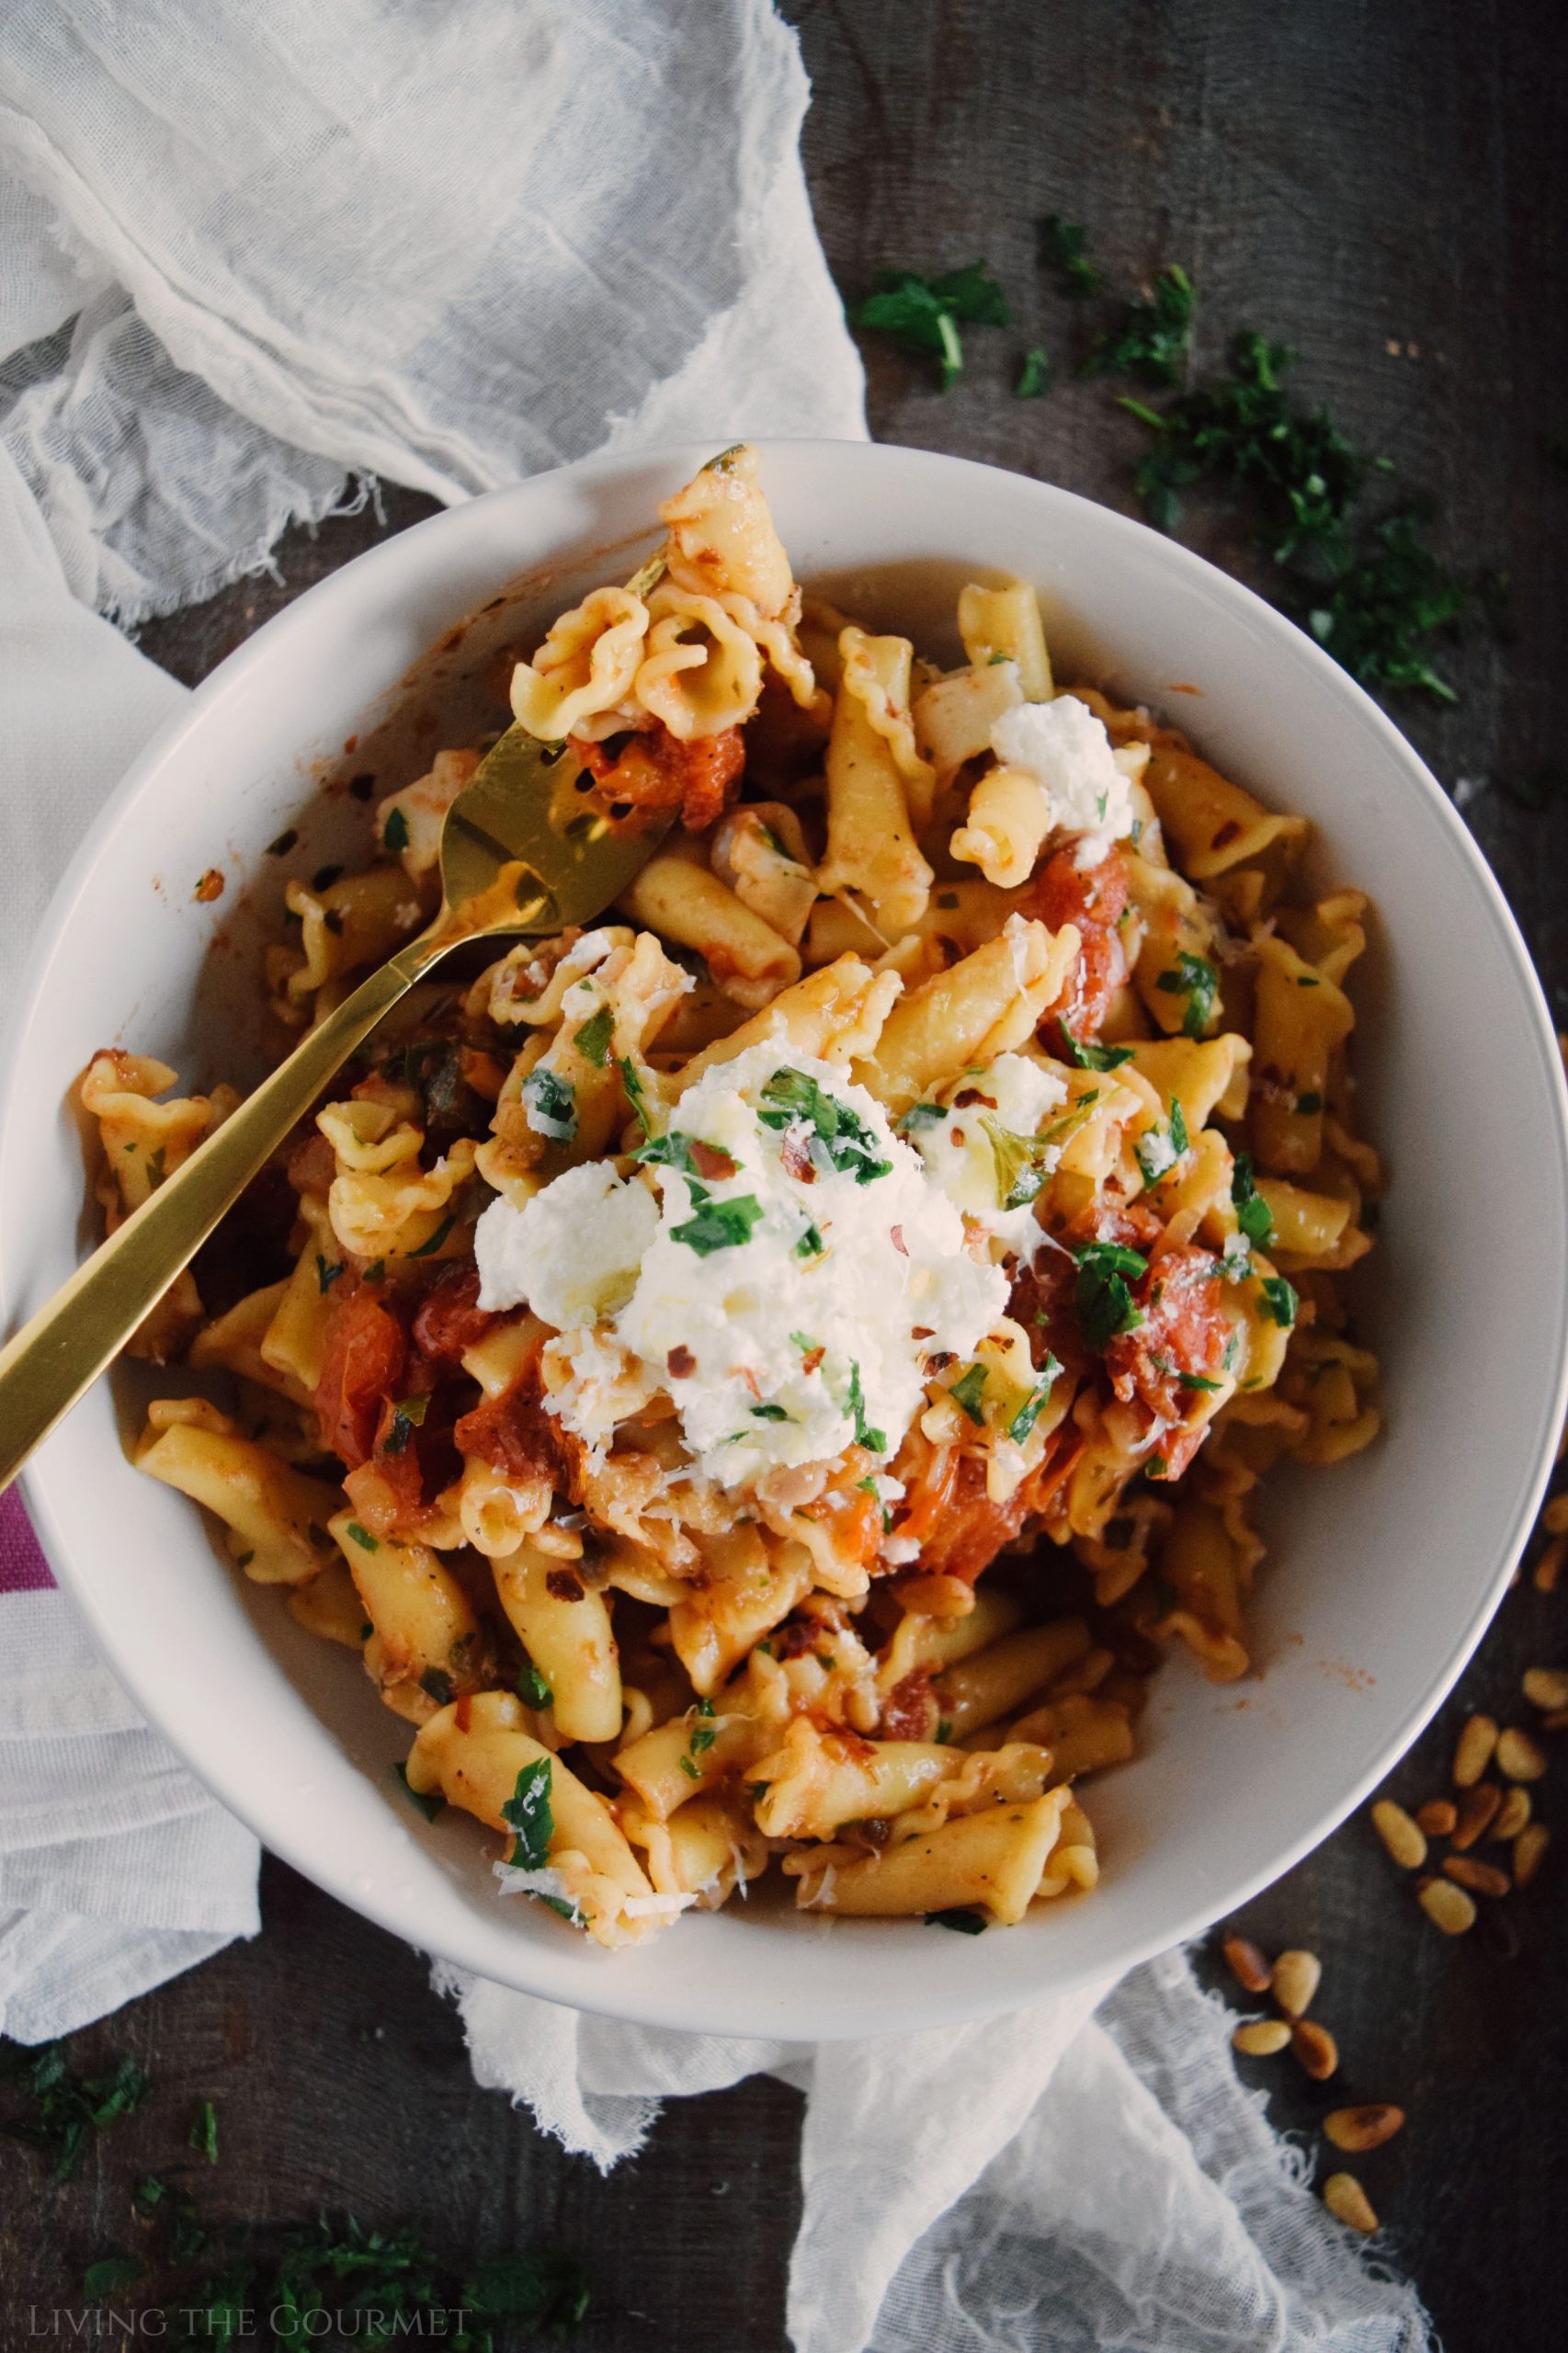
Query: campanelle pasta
[{"x": 762, "y": 1379}]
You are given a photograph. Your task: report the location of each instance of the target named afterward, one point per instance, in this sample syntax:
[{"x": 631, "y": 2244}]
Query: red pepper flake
[
  {"x": 681, "y": 1362},
  {"x": 810, "y": 1362},
  {"x": 210, "y": 886},
  {"x": 462, "y": 1715},
  {"x": 923, "y": 1332},
  {"x": 957, "y": 1136},
  {"x": 710, "y": 1161},
  {"x": 896, "y": 1236},
  {"x": 795, "y": 1157},
  {"x": 968, "y": 1095},
  {"x": 565, "y": 1585}
]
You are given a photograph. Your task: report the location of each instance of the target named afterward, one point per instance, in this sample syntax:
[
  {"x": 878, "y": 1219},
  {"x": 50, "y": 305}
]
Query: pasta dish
[{"x": 763, "y": 1379}]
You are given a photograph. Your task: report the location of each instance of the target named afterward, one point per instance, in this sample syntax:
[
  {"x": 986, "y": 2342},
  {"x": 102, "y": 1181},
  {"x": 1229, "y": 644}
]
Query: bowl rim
[{"x": 543, "y": 1973}]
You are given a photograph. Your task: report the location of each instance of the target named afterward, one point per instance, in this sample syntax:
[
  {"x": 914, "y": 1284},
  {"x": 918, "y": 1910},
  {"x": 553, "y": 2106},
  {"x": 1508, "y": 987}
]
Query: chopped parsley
[
  {"x": 1065, "y": 247},
  {"x": 1196, "y": 1380},
  {"x": 921, "y": 1115},
  {"x": 873, "y": 1441},
  {"x": 1102, "y": 1296},
  {"x": 395, "y": 833},
  {"x": 1194, "y": 978},
  {"x": 811, "y": 1244},
  {"x": 408, "y": 1415},
  {"x": 925, "y": 313},
  {"x": 436, "y": 1684},
  {"x": 1151, "y": 338},
  {"x": 1251, "y": 1211},
  {"x": 362, "y": 1537},
  {"x": 204, "y": 2130},
  {"x": 429, "y": 1801},
  {"x": 966, "y": 1924},
  {"x": 769, "y": 1413},
  {"x": 717, "y": 1225},
  {"x": 64, "y": 2108},
  {"x": 804, "y": 1341},
  {"x": 631, "y": 1079},
  {"x": 688, "y": 1767},
  {"x": 110, "y": 2274},
  {"x": 327, "y": 1272},
  {"x": 847, "y": 1143},
  {"x": 1085, "y": 1056},
  {"x": 1279, "y": 1300},
  {"x": 965, "y": 1393},
  {"x": 428, "y": 1249},
  {"x": 703, "y": 1732},
  {"x": 526, "y": 1814},
  {"x": 672, "y": 1150},
  {"x": 1179, "y": 1136},
  {"x": 1309, "y": 1105},
  {"x": 1034, "y": 1404},
  {"x": 592, "y": 1041},
  {"x": 1021, "y": 1164},
  {"x": 1034, "y": 377},
  {"x": 551, "y": 1104},
  {"x": 533, "y": 1688}
]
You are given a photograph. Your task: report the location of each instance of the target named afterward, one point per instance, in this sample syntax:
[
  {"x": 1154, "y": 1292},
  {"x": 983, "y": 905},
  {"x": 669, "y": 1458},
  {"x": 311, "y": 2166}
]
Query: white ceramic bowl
[{"x": 1383, "y": 1572}]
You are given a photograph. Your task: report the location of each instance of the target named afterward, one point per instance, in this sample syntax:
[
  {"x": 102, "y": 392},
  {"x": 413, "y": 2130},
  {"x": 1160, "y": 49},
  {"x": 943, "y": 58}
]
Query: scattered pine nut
[
  {"x": 1316, "y": 2048},
  {"x": 1262, "y": 2039},
  {"x": 1529, "y": 1849},
  {"x": 1446, "y": 1906},
  {"x": 1546, "y": 1688},
  {"x": 1513, "y": 1813},
  {"x": 1437, "y": 1817},
  {"x": 1548, "y": 1571},
  {"x": 1297, "y": 1976},
  {"x": 1348, "y": 2202},
  {"x": 1248, "y": 1965},
  {"x": 1478, "y": 1809},
  {"x": 1363, "y": 2128},
  {"x": 1520, "y": 1756},
  {"x": 1399, "y": 1834},
  {"x": 1473, "y": 1752},
  {"x": 1481, "y": 1878}
]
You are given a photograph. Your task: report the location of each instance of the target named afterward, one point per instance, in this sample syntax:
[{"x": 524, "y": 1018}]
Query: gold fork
[{"x": 521, "y": 856}]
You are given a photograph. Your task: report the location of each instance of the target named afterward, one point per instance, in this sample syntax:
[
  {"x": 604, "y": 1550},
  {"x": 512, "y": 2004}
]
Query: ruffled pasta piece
[
  {"x": 722, "y": 536},
  {"x": 472, "y": 1757},
  {"x": 678, "y": 895},
  {"x": 1302, "y": 1018},
  {"x": 382, "y": 1203},
  {"x": 232, "y": 1342},
  {"x": 997, "y": 1859},
  {"x": 953, "y": 718},
  {"x": 1330, "y": 1379},
  {"x": 329, "y": 1606},
  {"x": 816, "y": 1780},
  {"x": 1009, "y": 817},
  {"x": 988, "y": 1684},
  {"x": 1213, "y": 825},
  {"x": 275, "y": 1515},
  {"x": 563, "y": 1625},
  {"x": 583, "y": 679},
  {"x": 1082, "y": 1732},
  {"x": 1210, "y": 1574},
  {"x": 427, "y": 1643},
  {"x": 759, "y": 853},
  {"x": 877, "y": 782},
  {"x": 960, "y": 916},
  {"x": 144, "y": 1141},
  {"x": 748, "y": 1589},
  {"x": 701, "y": 671},
  {"x": 422, "y": 808},
  {"x": 705, "y": 1852},
  {"x": 837, "y": 1014},
  {"x": 1173, "y": 933},
  {"x": 294, "y": 1342}
]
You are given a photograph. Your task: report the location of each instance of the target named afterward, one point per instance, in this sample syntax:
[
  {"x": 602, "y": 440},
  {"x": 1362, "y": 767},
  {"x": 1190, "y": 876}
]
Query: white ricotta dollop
[
  {"x": 968, "y": 1150},
  {"x": 789, "y": 1307},
  {"x": 1065, "y": 748}
]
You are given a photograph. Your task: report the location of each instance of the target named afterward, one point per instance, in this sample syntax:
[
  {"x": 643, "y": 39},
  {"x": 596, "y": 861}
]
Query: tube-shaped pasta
[
  {"x": 960, "y": 915},
  {"x": 995, "y": 1859},
  {"x": 427, "y": 1642},
  {"x": 1004, "y": 625},
  {"x": 985, "y": 1005},
  {"x": 273, "y": 1512},
  {"x": 1009, "y": 817},
  {"x": 747, "y": 1593},
  {"x": 683, "y": 900},
  {"x": 834, "y": 1015},
  {"x": 819, "y": 1781},
  {"x": 565, "y": 1626},
  {"x": 976, "y": 1691},
  {"x": 584, "y": 672},
  {"x": 871, "y": 761}
]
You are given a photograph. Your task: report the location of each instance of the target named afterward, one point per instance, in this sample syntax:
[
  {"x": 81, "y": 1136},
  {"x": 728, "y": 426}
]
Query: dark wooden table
[{"x": 1385, "y": 188}]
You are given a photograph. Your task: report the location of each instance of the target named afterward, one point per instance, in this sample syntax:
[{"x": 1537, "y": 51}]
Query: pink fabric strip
[{"x": 23, "y": 1568}]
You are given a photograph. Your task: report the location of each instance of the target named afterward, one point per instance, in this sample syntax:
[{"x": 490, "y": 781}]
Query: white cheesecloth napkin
[{"x": 251, "y": 256}]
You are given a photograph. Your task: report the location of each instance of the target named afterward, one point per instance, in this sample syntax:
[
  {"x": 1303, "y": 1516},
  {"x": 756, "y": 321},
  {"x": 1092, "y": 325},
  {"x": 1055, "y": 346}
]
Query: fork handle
[{"x": 57, "y": 1356}]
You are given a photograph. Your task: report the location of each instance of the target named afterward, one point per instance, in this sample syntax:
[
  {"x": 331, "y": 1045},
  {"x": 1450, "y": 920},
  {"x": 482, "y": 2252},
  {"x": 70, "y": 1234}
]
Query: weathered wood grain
[{"x": 1385, "y": 189}]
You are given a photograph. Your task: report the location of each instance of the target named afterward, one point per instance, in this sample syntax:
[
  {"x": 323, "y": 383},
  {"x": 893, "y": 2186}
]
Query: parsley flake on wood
[
  {"x": 1064, "y": 247},
  {"x": 1102, "y": 1295},
  {"x": 203, "y": 2133},
  {"x": 1034, "y": 377},
  {"x": 64, "y": 2108},
  {"x": 526, "y": 1814},
  {"x": 110, "y": 2274},
  {"x": 925, "y": 313},
  {"x": 1151, "y": 338}
]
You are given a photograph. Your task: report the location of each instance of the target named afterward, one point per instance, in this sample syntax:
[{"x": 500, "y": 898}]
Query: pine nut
[
  {"x": 1315, "y": 2050},
  {"x": 1447, "y": 1906},
  {"x": 1546, "y": 1688},
  {"x": 1297, "y": 1976},
  {"x": 1399, "y": 1834},
  {"x": 1365, "y": 2128},
  {"x": 1530, "y": 1850},
  {"x": 1520, "y": 1756},
  {"x": 1437, "y": 1817},
  {"x": 1478, "y": 1809},
  {"x": 1348, "y": 2202},
  {"x": 1513, "y": 1813},
  {"x": 1248, "y": 1965},
  {"x": 1262, "y": 2039},
  {"x": 1481, "y": 1878},
  {"x": 1548, "y": 1570},
  {"x": 1473, "y": 1752}
]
